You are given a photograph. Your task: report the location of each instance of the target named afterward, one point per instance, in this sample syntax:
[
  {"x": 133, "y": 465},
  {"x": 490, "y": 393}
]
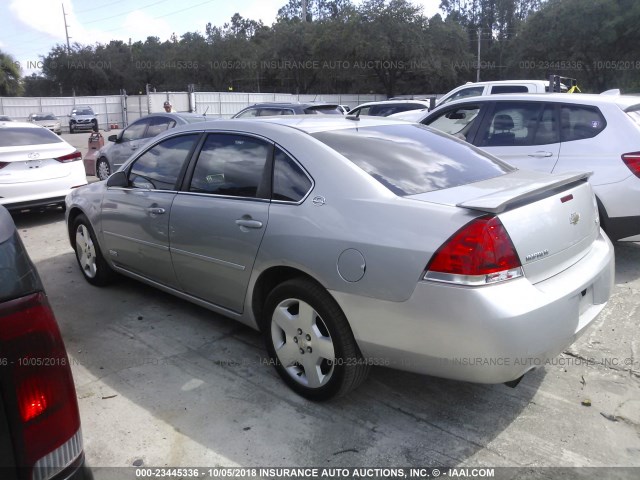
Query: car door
[
  {"x": 135, "y": 219},
  {"x": 524, "y": 134},
  {"x": 219, "y": 219},
  {"x": 128, "y": 142}
]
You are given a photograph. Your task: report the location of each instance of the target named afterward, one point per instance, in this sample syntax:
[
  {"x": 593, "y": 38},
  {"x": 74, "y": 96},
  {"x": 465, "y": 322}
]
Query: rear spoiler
[{"x": 498, "y": 202}]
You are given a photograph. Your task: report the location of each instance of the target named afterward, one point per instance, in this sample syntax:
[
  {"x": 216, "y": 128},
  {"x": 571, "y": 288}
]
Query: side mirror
[
  {"x": 113, "y": 138},
  {"x": 118, "y": 179}
]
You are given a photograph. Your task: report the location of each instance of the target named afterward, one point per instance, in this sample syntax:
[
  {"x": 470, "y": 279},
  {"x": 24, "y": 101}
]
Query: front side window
[
  {"x": 290, "y": 183},
  {"x": 455, "y": 120},
  {"x": 230, "y": 164},
  {"x": 409, "y": 159},
  {"x": 159, "y": 167},
  {"x": 253, "y": 112},
  {"x": 135, "y": 131},
  {"x": 579, "y": 122}
]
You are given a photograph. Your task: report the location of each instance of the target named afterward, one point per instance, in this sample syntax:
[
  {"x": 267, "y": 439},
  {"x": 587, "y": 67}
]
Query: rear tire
[
  {"x": 309, "y": 341},
  {"x": 92, "y": 264}
]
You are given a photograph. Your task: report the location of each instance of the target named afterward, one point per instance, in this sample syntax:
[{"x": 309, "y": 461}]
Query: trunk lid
[
  {"x": 552, "y": 219},
  {"x": 32, "y": 163}
]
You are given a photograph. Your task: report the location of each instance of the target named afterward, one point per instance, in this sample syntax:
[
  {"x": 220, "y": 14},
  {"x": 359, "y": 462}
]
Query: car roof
[
  {"x": 20, "y": 125},
  {"x": 503, "y": 82},
  {"x": 623, "y": 101},
  {"x": 388, "y": 102},
  {"x": 304, "y": 123},
  {"x": 293, "y": 104},
  {"x": 42, "y": 113}
]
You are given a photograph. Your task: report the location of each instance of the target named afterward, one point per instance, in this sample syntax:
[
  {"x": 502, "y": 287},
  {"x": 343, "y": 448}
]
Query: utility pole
[
  {"x": 478, "y": 66},
  {"x": 66, "y": 29}
]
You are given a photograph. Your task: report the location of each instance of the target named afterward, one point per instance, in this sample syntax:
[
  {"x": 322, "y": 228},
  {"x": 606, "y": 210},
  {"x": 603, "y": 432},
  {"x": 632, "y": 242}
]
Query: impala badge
[{"x": 574, "y": 218}]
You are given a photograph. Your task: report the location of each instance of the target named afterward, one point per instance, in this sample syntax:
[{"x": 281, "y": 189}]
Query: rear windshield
[
  {"x": 324, "y": 109},
  {"x": 20, "y": 137},
  {"x": 413, "y": 159}
]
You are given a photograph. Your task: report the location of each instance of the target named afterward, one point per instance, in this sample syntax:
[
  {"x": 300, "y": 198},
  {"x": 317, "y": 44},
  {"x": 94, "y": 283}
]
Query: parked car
[
  {"x": 5, "y": 118},
  {"x": 275, "y": 108},
  {"x": 82, "y": 118},
  {"x": 559, "y": 133},
  {"x": 388, "y": 107},
  {"x": 40, "y": 435},
  {"x": 474, "y": 89},
  {"x": 46, "y": 120},
  {"x": 113, "y": 155},
  {"x": 37, "y": 167},
  {"x": 354, "y": 242}
]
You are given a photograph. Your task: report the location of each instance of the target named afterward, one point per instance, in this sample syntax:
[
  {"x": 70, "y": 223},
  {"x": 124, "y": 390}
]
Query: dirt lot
[{"x": 164, "y": 383}]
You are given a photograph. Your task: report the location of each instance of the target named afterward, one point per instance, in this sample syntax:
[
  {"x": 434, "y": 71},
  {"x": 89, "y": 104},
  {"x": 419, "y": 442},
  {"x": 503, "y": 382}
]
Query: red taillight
[
  {"x": 72, "y": 157},
  {"x": 632, "y": 160},
  {"x": 37, "y": 380},
  {"x": 482, "y": 248}
]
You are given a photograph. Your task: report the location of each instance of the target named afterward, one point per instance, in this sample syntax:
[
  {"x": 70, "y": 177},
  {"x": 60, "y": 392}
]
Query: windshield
[
  {"x": 44, "y": 116},
  {"x": 410, "y": 159},
  {"x": 82, "y": 111},
  {"x": 20, "y": 137}
]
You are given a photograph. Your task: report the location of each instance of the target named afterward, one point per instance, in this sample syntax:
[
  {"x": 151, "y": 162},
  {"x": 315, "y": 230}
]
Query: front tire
[
  {"x": 103, "y": 170},
  {"x": 71, "y": 129},
  {"x": 92, "y": 264},
  {"x": 309, "y": 341}
]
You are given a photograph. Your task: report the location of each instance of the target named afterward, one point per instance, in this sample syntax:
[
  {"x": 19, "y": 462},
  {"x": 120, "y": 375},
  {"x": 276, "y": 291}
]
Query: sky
[{"x": 31, "y": 28}]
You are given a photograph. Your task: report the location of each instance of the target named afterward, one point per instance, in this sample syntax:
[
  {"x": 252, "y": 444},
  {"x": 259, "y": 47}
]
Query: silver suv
[{"x": 82, "y": 117}]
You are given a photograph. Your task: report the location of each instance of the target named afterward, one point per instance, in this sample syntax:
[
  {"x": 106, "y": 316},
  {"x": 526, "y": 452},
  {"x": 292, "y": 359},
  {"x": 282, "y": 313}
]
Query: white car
[
  {"x": 37, "y": 167},
  {"x": 559, "y": 133},
  {"x": 46, "y": 120}
]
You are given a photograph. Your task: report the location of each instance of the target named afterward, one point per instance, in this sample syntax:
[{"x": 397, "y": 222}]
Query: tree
[{"x": 10, "y": 84}]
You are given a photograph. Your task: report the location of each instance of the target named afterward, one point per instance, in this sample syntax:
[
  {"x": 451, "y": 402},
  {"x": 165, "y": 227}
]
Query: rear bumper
[
  {"x": 42, "y": 192},
  {"x": 491, "y": 334}
]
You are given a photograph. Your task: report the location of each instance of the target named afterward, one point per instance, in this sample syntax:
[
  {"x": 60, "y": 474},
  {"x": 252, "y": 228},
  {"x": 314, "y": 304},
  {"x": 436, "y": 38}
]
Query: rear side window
[
  {"x": 290, "y": 183},
  {"x": 579, "y": 122},
  {"x": 412, "y": 159},
  {"x": 509, "y": 89},
  {"x": 159, "y": 167},
  {"x": 21, "y": 137}
]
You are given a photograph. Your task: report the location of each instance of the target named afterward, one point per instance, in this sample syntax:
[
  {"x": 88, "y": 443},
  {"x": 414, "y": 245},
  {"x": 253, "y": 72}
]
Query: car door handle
[
  {"x": 540, "y": 154},
  {"x": 156, "y": 211},
  {"x": 244, "y": 222}
]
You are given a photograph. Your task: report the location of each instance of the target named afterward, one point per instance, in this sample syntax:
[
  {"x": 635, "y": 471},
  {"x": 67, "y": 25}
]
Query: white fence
[
  {"x": 109, "y": 109},
  {"x": 121, "y": 110}
]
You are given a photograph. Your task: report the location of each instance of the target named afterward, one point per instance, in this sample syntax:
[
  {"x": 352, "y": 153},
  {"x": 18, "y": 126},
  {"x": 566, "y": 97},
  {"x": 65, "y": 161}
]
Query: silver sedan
[{"x": 355, "y": 242}]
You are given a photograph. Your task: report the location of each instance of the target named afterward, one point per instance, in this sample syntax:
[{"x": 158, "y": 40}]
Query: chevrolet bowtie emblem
[{"x": 574, "y": 218}]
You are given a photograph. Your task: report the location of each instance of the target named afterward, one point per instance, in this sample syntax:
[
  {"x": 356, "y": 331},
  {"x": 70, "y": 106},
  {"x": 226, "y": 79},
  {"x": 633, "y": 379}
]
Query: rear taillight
[
  {"x": 479, "y": 253},
  {"x": 72, "y": 157},
  {"x": 38, "y": 386},
  {"x": 3, "y": 164},
  {"x": 632, "y": 160}
]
